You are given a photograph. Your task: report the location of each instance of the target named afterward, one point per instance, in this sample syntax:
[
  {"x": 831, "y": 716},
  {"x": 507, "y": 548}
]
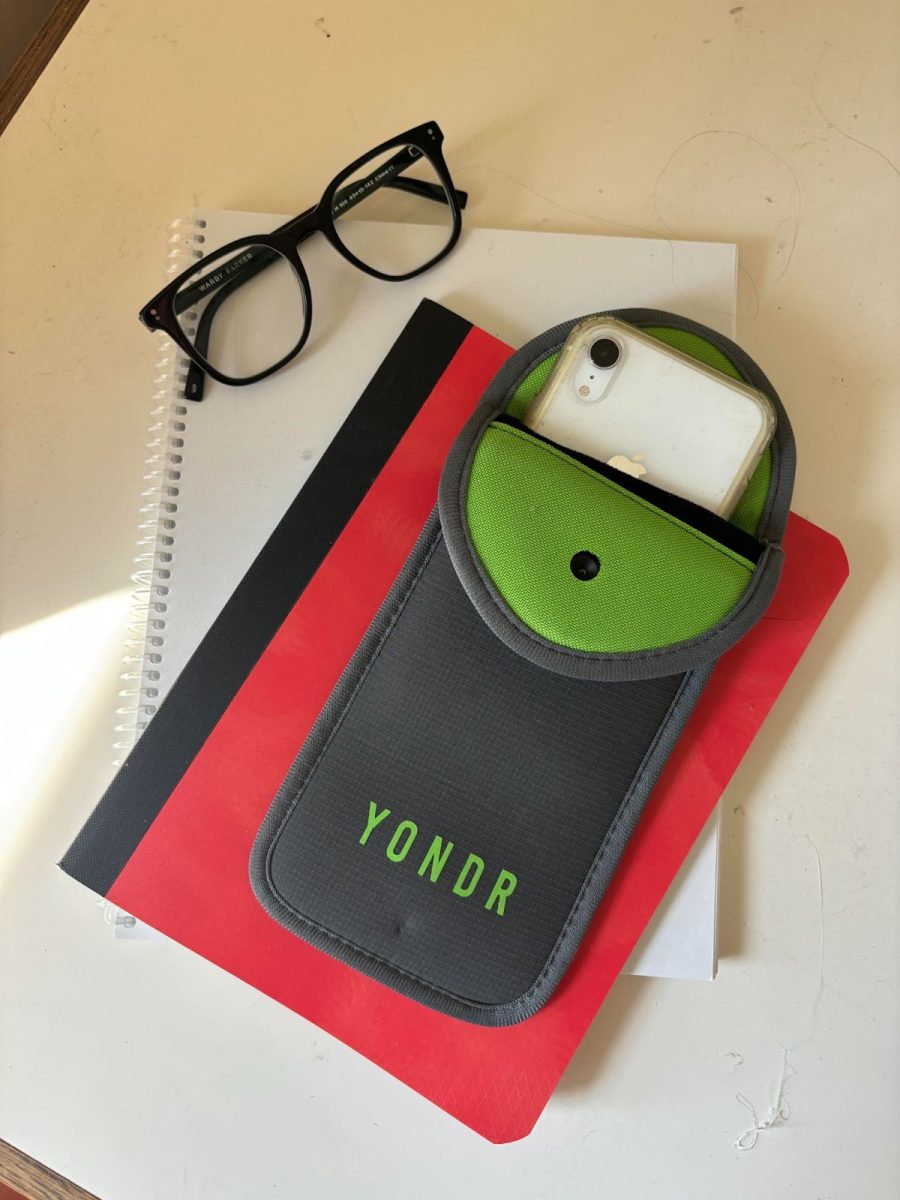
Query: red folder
[{"x": 497, "y": 1081}]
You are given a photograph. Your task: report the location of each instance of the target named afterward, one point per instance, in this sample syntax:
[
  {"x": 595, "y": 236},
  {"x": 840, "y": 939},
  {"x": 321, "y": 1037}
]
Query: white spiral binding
[{"x": 145, "y": 644}]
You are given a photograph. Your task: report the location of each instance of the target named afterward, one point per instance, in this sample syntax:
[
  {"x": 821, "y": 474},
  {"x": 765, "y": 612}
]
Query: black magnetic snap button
[{"x": 585, "y": 565}]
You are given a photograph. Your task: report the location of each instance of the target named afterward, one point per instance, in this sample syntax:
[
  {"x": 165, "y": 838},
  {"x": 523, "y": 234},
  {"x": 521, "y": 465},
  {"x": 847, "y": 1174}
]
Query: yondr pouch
[{"x": 459, "y": 808}]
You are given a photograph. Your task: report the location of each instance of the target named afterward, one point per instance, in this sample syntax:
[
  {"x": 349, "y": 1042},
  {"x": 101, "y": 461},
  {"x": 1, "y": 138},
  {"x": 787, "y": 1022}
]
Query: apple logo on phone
[{"x": 631, "y": 466}]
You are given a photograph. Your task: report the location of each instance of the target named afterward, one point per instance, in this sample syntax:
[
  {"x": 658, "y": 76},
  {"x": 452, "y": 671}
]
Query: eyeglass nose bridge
[{"x": 303, "y": 235}]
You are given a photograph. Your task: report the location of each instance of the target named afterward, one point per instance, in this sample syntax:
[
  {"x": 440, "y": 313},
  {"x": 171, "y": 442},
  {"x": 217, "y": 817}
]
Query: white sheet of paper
[{"x": 247, "y": 451}]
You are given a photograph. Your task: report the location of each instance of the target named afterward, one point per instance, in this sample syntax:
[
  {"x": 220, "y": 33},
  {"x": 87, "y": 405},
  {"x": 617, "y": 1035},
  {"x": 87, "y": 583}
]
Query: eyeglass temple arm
[
  {"x": 387, "y": 176},
  {"x": 428, "y": 191},
  {"x": 250, "y": 261},
  {"x": 261, "y": 258}
]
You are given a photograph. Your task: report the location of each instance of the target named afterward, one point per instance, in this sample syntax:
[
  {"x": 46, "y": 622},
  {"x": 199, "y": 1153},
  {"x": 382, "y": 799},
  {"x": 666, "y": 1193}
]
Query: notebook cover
[{"x": 224, "y": 738}]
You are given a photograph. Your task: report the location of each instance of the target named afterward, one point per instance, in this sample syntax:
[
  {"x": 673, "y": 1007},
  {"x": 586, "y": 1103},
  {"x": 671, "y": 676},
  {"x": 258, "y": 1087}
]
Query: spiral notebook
[
  {"x": 171, "y": 837},
  {"x": 222, "y": 473}
]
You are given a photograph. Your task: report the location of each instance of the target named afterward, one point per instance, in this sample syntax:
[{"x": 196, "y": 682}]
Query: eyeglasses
[{"x": 244, "y": 311}]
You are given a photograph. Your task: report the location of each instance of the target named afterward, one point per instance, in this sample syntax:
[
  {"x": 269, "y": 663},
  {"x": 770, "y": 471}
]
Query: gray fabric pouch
[{"x": 459, "y": 808}]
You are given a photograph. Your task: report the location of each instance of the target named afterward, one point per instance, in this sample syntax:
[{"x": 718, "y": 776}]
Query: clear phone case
[{"x": 653, "y": 412}]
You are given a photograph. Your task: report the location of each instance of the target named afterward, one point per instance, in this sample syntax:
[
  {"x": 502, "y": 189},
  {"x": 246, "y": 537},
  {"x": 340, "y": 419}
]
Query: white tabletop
[{"x": 142, "y": 1072}]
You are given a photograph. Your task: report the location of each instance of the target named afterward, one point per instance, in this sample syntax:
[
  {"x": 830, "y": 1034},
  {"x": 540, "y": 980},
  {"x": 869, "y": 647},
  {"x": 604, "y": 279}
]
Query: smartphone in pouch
[{"x": 622, "y": 396}]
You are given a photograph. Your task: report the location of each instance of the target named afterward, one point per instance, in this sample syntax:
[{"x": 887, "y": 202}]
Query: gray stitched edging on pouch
[{"x": 642, "y": 664}]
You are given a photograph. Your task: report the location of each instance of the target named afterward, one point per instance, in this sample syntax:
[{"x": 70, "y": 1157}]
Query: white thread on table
[
  {"x": 778, "y": 1113},
  {"x": 779, "y": 1110}
]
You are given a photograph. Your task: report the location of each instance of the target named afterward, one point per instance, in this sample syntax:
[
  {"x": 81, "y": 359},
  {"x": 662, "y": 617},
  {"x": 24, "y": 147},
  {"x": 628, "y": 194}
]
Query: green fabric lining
[
  {"x": 529, "y": 387},
  {"x": 748, "y": 513},
  {"x": 696, "y": 346},
  {"x": 530, "y": 508},
  {"x": 750, "y": 507}
]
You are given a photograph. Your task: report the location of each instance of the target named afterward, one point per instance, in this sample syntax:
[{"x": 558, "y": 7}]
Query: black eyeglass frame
[{"x": 161, "y": 313}]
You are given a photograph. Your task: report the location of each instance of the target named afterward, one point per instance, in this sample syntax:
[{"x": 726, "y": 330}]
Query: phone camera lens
[{"x": 604, "y": 353}]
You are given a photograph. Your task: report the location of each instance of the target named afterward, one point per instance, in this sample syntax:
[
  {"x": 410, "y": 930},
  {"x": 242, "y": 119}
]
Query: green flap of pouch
[{"x": 531, "y": 509}]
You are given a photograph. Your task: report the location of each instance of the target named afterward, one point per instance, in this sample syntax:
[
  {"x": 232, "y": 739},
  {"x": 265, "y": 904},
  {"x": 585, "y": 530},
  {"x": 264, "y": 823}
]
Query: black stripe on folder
[{"x": 266, "y": 594}]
